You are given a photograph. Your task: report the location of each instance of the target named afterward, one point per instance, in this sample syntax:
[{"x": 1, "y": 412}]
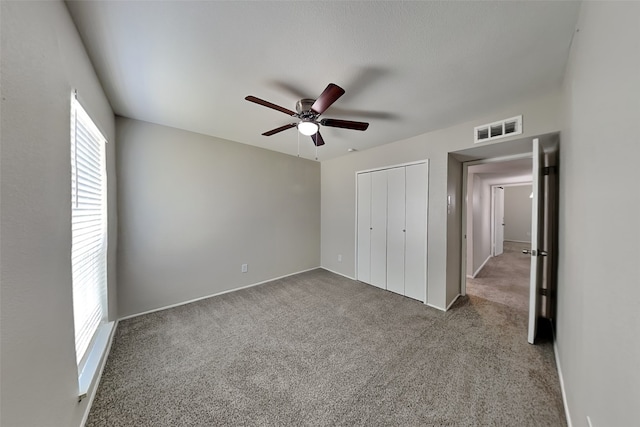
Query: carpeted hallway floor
[
  {"x": 319, "y": 349},
  {"x": 505, "y": 278}
]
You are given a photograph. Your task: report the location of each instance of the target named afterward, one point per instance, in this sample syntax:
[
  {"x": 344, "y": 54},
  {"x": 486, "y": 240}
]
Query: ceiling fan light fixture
[
  {"x": 307, "y": 127},
  {"x": 308, "y": 112}
]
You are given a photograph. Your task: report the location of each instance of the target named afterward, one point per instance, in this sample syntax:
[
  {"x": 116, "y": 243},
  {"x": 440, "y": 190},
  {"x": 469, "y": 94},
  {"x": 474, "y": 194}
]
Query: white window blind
[{"x": 88, "y": 227}]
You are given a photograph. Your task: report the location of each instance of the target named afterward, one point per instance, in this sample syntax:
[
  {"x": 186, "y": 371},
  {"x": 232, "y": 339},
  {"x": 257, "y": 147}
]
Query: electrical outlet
[
  {"x": 244, "y": 268},
  {"x": 339, "y": 258}
]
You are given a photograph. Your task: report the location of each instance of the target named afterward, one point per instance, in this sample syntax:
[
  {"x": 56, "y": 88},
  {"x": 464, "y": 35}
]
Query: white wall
[
  {"x": 598, "y": 316},
  {"x": 338, "y": 191},
  {"x": 481, "y": 211},
  {"x": 42, "y": 60},
  {"x": 193, "y": 208},
  {"x": 517, "y": 213},
  {"x": 471, "y": 202}
]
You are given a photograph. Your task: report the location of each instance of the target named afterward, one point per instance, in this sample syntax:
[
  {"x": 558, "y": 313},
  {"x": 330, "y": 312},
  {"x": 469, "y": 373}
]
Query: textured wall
[
  {"x": 42, "y": 60},
  {"x": 598, "y": 319},
  {"x": 194, "y": 208}
]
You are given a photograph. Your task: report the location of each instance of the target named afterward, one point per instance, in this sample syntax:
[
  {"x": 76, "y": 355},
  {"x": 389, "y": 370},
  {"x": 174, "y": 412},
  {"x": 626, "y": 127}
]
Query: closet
[{"x": 392, "y": 229}]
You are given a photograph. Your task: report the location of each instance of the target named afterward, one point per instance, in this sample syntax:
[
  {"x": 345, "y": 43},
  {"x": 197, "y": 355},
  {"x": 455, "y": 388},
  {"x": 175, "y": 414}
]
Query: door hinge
[
  {"x": 544, "y": 292},
  {"x": 549, "y": 170}
]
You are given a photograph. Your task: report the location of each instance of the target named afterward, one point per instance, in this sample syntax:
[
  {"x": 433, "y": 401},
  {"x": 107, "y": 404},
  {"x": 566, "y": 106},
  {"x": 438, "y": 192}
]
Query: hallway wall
[
  {"x": 517, "y": 213},
  {"x": 479, "y": 201}
]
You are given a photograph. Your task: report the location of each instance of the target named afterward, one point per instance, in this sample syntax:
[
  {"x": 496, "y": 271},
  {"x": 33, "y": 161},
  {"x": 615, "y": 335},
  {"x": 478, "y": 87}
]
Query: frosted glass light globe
[{"x": 307, "y": 128}]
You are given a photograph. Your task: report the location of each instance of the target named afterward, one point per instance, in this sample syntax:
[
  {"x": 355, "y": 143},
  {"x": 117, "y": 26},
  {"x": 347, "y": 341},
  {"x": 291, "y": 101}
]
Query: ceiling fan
[{"x": 309, "y": 111}]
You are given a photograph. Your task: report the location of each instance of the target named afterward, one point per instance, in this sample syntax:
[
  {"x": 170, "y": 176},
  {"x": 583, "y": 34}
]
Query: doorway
[
  {"x": 543, "y": 151},
  {"x": 498, "y": 213}
]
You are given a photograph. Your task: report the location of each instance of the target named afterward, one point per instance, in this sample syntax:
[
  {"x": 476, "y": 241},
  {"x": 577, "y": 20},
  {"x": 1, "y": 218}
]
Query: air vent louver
[{"x": 500, "y": 129}]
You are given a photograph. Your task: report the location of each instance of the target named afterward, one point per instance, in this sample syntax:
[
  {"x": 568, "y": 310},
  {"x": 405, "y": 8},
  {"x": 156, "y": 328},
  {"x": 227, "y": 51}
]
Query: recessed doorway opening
[
  {"x": 543, "y": 153},
  {"x": 498, "y": 219}
]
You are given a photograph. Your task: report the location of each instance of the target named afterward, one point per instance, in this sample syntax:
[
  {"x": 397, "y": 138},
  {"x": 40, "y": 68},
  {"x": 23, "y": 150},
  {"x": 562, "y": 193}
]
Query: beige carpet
[
  {"x": 505, "y": 278},
  {"x": 319, "y": 349}
]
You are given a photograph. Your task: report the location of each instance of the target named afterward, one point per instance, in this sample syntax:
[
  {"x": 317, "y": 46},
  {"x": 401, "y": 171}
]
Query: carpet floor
[
  {"x": 320, "y": 349},
  {"x": 505, "y": 278}
]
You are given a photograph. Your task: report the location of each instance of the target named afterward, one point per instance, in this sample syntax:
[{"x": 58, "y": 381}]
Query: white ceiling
[
  {"x": 519, "y": 170},
  {"x": 407, "y": 67}
]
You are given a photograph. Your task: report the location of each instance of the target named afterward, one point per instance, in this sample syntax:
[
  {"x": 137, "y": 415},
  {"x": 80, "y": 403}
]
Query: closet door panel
[
  {"x": 396, "y": 230},
  {"x": 416, "y": 235},
  {"x": 379, "y": 229},
  {"x": 364, "y": 228}
]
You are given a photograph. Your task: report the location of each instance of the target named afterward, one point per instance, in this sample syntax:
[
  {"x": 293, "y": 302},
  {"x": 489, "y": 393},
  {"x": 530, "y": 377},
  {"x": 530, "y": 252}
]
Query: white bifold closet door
[
  {"x": 392, "y": 229},
  {"x": 363, "y": 266},
  {"x": 416, "y": 236},
  {"x": 396, "y": 230},
  {"x": 379, "y": 229}
]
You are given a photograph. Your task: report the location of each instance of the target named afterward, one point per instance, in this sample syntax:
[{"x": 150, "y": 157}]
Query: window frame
[{"x": 89, "y": 266}]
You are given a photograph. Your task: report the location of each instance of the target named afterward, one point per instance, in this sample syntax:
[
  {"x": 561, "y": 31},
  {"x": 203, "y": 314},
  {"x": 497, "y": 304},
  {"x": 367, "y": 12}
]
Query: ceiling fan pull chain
[{"x": 316, "y": 144}]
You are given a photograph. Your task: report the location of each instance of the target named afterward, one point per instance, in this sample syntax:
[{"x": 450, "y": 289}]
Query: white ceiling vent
[{"x": 495, "y": 130}]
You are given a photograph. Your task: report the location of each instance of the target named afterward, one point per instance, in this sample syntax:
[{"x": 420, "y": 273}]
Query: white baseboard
[
  {"x": 214, "y": 295},
  {"x": 448, "y": 307},
  {"x": 564, "y": 392},
  {"x": 481, "y": 267},
  {"x": 518, "y": 241},
  {"x": 339, "y": 274},
  {"x": 451, "y": 303},
  {"x": 436, "y": 307}
]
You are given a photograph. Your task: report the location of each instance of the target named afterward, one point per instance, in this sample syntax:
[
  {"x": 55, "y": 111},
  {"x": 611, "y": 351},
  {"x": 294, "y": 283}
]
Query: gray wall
[
  {"x": 454, "y": 230},
  {"x": 338, "y": 191},
  {"x": 42, "y": 60},
  {"x": 517, "y": 213},
  {"x": 598, "y": 317},
  {"x": 193, "y": 208}
]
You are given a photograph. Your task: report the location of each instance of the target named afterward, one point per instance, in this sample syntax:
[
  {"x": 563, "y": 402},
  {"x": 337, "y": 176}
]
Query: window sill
[{"x": 97, "y": 357}]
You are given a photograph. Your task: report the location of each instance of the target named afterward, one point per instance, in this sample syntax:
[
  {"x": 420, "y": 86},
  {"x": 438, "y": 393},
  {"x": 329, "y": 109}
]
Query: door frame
[
  {"x": 494, "y": 229},
  {"x": 465, "y": 176},
  {"x": 504, "y": 187},
  {"x": 548, "y": 159}
]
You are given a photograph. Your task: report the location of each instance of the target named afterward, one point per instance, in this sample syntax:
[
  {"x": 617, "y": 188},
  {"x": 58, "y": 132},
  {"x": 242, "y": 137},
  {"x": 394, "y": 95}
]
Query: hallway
[{"x": 505, "y": 278}]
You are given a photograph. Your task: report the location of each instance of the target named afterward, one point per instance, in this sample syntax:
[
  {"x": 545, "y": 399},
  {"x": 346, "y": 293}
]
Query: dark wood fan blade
[
  {"x": 270, "y": 105},
  {"x": 331, "y": 93},
  {"x": 345, "y": 124},
  {"x": 280, "y": 129},
  {"x": 317, "y": 139}
]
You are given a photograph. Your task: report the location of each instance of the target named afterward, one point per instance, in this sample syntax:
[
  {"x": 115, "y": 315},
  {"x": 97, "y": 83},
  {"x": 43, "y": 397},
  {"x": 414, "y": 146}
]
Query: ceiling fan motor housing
[{"x": 303, "y": 107}]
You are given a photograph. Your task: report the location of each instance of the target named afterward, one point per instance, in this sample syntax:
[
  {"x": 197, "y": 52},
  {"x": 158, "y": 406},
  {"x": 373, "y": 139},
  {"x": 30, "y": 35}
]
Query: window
[{"x": 88, "y": 229}]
